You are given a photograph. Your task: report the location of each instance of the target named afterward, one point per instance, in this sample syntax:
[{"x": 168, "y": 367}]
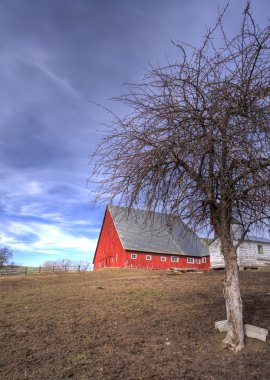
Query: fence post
[
  {"x": 79, "y": 268},
  {"x": 39, "y": 269},
  {"x": 53, "y": 268},
  {"x": 25, "y": 271},
  {"x": 65, "y": 268}
]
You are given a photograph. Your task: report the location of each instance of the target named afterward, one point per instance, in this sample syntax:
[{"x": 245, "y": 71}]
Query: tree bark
[{"x": 234, "y": 339}]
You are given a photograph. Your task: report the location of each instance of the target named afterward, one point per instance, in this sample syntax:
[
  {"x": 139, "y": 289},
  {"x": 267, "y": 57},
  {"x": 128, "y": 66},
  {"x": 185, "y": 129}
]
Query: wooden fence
[{"x": 41, "y": 270}]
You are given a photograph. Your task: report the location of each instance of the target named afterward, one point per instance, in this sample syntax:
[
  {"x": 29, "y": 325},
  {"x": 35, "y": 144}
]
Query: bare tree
[
  {"x": 57, "y": 263},
  {"x": 6, "y": 254},
  {"x": 196, "y": 144},
  {"x": 84, "y": 264}
]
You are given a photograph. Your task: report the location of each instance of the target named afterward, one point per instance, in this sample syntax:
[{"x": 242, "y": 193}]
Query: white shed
[{"x": 254, "y": 252}]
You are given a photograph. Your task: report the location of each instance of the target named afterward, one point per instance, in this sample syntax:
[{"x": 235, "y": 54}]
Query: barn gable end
[{"x": 109, "y": 251}]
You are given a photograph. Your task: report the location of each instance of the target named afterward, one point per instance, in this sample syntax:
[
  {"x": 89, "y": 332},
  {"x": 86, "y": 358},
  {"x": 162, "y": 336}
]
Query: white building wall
[
  {"x": 247, "y": 254},
  {"x": 216, "y": 258}
]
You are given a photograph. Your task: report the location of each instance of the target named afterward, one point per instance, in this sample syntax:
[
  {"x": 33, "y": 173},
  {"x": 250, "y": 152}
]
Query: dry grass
[{"x": 127, "y": 324}]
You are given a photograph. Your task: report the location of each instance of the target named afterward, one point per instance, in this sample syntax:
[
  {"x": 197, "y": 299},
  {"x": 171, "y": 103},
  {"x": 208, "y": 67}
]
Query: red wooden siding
[
  {"x": 110, "y": 253},
  {"x": 156, "y": 263}
]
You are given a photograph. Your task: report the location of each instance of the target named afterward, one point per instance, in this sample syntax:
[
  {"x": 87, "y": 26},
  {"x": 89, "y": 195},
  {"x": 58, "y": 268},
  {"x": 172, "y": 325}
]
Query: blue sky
[{"x": 59, "y": 59}]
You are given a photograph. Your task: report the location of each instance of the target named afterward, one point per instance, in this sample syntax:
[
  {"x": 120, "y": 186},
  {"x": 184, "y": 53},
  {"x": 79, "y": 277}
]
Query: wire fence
[{"x": 42, "y": 270}]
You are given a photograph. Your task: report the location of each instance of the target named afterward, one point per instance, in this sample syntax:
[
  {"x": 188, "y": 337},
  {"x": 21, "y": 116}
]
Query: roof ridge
[
  {"x": 142, "y": 211},
  {"x": 150, "y": 231}
]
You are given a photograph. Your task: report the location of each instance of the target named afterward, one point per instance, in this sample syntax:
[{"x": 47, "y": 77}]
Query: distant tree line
[
  {"x": 84, "y": 264},
  {"x": 6, "y": 255}
]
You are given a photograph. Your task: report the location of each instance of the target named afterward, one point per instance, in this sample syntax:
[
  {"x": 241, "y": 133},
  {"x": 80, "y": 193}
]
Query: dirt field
[{"x": 127, "y": 324}]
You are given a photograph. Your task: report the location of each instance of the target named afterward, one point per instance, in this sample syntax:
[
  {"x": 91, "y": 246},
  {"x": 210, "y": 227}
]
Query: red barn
[{"x": 137, "y": 239}]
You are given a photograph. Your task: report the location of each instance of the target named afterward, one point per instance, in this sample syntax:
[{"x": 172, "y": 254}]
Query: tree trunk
[{"x": 235, "y": 334}]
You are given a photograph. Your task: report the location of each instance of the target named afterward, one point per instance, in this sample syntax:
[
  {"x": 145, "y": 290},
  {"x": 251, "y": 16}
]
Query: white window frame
[
  {"x": 260, "y": 249},
  {"x": 190, "y": 260},
  {"x": 198, "y": 261},
  {"x": 133, "y": 256},
  {"x": 174, "y": 259},
  {"x": 163, "y": 258},
  {"x": 204, "y": 260},
  {"x": 148, "y": 257}
]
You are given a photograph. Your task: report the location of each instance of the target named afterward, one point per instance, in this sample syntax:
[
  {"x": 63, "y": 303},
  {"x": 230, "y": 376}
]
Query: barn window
[
  {"x": 134, "y": 256},
  {"x": 190, "y": 260},
  {"x": 174, "y": 259},
  {"x": 163, "y": 258},
  {"x": 198, "y": 261},
  {"x": 204, "y": 260},
  {"x": 148, "y": 257},
  {"x": 260, "y": 249}
]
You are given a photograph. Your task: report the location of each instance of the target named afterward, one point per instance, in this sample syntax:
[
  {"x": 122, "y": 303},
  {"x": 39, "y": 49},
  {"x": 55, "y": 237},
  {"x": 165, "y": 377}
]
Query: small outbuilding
[
  {"x": 254, "y": 252},
  {"x": 139, "y": 239}
]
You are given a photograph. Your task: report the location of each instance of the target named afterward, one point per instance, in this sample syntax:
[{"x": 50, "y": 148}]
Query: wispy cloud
[
  {"x": 45, "y": 238},
  {"x": 45, "y": 69}
]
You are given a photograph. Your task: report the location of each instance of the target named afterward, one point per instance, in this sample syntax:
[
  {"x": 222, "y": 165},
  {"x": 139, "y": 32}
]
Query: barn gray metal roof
[{"x": 149, "y": 232}]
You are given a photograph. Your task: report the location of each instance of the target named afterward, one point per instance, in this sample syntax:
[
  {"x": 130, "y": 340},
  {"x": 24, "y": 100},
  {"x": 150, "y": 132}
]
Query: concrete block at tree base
[
  {"x": 255, "y": 332},
  {"x": 221, "y": 326},
  {"x": 249, "y": 330}
]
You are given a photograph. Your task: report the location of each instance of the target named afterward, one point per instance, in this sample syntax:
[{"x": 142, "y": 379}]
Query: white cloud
[
  {"x": 33, "y": 188},
  {"x": 45, "y": 238},
  {"x": 31, "y": 209}
]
